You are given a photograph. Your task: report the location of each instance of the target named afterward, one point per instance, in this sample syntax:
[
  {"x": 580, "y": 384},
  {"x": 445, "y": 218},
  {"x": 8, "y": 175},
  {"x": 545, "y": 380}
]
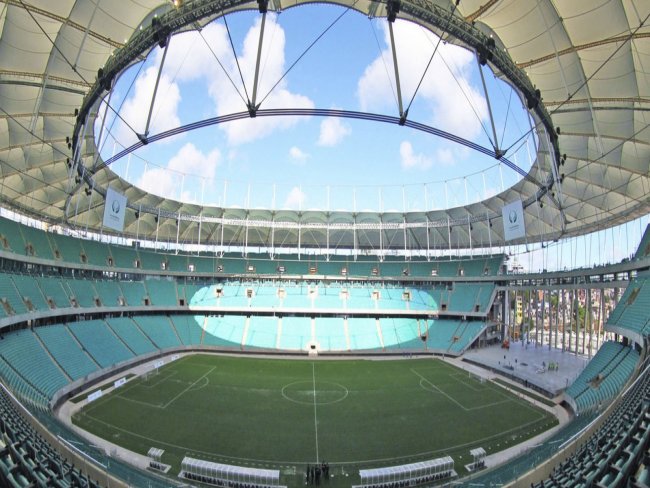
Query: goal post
[{"x": 476, "y": 377}]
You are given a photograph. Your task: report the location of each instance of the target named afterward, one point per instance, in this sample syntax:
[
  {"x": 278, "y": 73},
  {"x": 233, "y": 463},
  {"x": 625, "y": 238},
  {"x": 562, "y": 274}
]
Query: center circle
[{"x": 320, "y": 393}]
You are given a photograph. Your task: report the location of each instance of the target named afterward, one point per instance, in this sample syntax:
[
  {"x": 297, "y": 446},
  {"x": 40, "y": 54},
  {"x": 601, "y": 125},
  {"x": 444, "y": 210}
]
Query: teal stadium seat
[
  {"x": 123, "y": 257},
  {"x": 67, "y": 249},
  {"x": 12, "y": 301},
  {"x": 330, "y": 334},
  {"x": 54, "y": 291},
  {"x": 30, "y": 292},
  {"x": 162, "y": 292},
  {"x": 83, "y": 291},
  {"x": 363, "y": 334},
  {"x": 36, "y": 242},
  {"x": 25, "y": 353},
  {"x": 131, "y": 335},
  {"x": 226, "y": 331},
  {"x": 101, "y": 342},
  {"x": 133, "y": 292},
  {"x": 109, "y": 293},
  {"x": 188, "y": 329},
  {"x": 96, "y": 253},
  {"x": 296, "y": 333},
  {"x": 66, "y": 351},
  {"x": 262, "y": 332},
  {"x": 159, "y": 330}
]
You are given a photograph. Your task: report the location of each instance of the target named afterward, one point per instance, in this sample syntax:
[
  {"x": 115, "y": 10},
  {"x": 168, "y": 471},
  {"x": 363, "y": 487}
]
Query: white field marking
[
  {"x": 467, "y": 409},
  {"x": 299, "y": 402},
  {"x": 340, "y": 463},
  {"x": 207, "y": 382},
  {"x": 423, "y": 379},
  {"x": 313, "y": 377},
  {"x": 188, "y": 388},
  {"x": 460, "y": 378},
  {"x": 139, "y": 402}
]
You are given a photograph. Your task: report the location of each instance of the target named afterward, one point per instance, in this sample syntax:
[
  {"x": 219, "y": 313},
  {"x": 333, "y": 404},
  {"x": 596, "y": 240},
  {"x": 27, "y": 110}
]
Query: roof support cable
[
  {"x": 435, "y": 50},
  {"x": 225, "y": 72},
  {"x": 374, "y": 33},
  {"x": 307, "y": 49},
  {"x": 234, "y": 53}
]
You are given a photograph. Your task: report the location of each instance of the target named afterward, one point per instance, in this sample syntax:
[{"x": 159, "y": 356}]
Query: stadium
[{"x": 355, "y": 243}]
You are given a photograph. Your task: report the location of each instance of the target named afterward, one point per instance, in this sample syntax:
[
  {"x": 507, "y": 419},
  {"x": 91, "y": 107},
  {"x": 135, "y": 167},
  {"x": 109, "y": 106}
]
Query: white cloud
[
  {"x": 332, "y": 132},
  {"x": 295, "y": 199},
  {"x": 169, "y": 181},
  {"x": 189, "y": 59},
  {"x": 190, "y": 160},
  {"x": 444, "y": 96},
  {"x": 410, "y": 160},
  {"x": 298, "y": 155}
]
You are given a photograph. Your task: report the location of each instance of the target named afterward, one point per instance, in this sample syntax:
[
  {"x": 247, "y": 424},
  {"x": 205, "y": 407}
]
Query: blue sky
[{"x": 316, "y": 163}]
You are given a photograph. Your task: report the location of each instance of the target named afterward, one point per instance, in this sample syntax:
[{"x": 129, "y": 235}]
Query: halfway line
[{"x": 313, "y": 377}]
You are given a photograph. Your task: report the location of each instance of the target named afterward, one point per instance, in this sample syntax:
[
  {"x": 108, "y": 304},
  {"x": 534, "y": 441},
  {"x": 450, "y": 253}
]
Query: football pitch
[{"x": 285, "y": 413}]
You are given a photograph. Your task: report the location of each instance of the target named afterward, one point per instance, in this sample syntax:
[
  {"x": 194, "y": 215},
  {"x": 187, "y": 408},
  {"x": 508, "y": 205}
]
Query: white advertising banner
[
  {"x": 514, "y": 226},
  {"x": 114, "y": 210},
  {"x": 94, "y": 396}
]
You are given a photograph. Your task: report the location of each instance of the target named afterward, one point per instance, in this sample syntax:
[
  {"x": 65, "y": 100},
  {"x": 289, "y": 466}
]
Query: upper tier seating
[
  {"x": 644, "y": 246},
  {"x": 12, "y": 303},
  {"x": 632, "y": 309},
  {"x": 162, "y": 292},
  {"x": 603, "y": 377},
  {"x": 54, "y": 291},
  {"x": 22, "y": 241}
]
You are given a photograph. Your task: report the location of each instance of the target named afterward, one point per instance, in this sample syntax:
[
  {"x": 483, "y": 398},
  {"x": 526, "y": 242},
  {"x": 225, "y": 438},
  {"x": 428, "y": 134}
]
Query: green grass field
[{"x": 283, "y": 414}]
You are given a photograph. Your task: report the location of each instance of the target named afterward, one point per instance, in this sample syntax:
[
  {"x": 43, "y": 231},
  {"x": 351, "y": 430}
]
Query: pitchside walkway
[{"x": 527, "y": 363}]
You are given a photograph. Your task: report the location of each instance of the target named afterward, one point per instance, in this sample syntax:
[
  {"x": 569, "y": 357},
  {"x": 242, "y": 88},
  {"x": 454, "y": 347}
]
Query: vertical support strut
[
  {"x": 402, "y": 115},
  {"x": 143, "y": 136},
  {"x": 498, "y": 153},
  {"x": 252, "y": 107}
]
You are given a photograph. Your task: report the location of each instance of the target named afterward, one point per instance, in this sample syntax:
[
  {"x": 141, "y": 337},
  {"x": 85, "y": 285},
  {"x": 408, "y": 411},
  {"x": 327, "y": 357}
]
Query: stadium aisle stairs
[
  {"x": 131, "y": 335},
  {"x": 30, "y": 292},
  {"x": 25, "y": 353},
  {"x": 66, "y": 351},
  {"x": 159, "y": 330},
  {"x": 100, "y": 342},
  {"x": 53, "y": 291},
  {"x": 187, "y": 328},
  {"x": 10, "y": 294}
]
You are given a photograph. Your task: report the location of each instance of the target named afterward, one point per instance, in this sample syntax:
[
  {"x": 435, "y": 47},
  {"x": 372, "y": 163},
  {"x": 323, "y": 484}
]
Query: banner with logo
[
  {"x": 513, "y": 221},
  {"x": 114, "y": 210}
]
